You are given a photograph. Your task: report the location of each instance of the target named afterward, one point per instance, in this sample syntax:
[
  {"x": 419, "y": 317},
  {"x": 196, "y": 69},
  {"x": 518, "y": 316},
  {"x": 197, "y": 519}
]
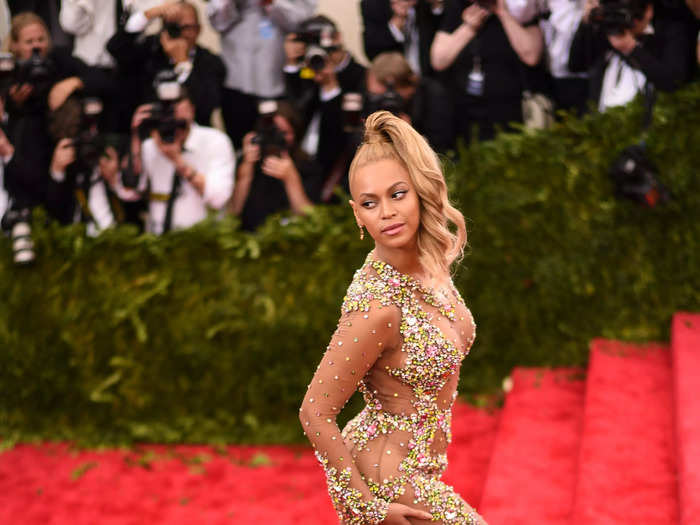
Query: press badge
[
  {"x": 475, "y": 80},
  {"x": 266, "y": 29}
]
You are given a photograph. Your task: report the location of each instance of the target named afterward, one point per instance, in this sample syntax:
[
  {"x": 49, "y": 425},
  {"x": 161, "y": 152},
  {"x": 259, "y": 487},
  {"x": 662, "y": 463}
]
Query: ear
[{"x": 354, "y": 207}]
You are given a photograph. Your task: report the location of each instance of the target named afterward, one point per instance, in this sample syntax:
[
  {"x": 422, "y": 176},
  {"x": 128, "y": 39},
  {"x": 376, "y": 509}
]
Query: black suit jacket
[
  {"x": 661, "y": 56},
  {"x": 140, "y": 59},
  {"x": 304, "y": 94},
  {"x": 378, "y": 38}
]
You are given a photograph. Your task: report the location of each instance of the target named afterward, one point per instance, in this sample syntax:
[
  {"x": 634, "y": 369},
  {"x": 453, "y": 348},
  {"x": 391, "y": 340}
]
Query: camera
[
  {"x": 390, "y": 101},
  {"x": 267, "y": 135},
  {"x": 635, "y": 177},
  {"x": 173, "y": 29},
  {"x": 612, "y": 18},
  {"x": 319, "y": 41},
  {"x": 87, "y": 143},
  {"x": 17, "y": 223},
  {"x": 162, "y": 118},
  {"x": 36, "y": 70}
]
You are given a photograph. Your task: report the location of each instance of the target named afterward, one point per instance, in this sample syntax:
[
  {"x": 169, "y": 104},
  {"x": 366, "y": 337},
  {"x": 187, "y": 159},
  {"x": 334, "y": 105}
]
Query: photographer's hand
[
  {"x": 400, "y": 10},
  {"x": 283, "y": 168},
  {"x": 251, "y": 151},
  {"x": 474, "y": 17},
  {"x": 142, "y": 113},
  {"x": 169, "y": 10},
  {"x": 62, "y": 90},
  {"x": 20, "y": 93},
  {"x": 588, "y": 7},
  {"x": 63, "y": 156},
  {"x": 176, "y": 48}
]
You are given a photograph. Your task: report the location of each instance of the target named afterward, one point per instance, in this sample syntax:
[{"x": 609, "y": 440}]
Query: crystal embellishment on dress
[{"x": 397, "y": 443}]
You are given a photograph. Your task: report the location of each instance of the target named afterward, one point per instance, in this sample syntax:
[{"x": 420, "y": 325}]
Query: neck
[{"x": 404, "y": 259}]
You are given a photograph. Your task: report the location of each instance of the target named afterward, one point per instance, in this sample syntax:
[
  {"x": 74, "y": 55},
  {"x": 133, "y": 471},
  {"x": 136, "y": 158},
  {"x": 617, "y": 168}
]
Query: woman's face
[
  {"x": 386, "y": 203},
  {"x": 30, "y": 37}
]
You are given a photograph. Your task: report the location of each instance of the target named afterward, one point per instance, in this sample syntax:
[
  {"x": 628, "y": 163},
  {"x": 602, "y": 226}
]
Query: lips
[{"x": 393, "y": 229}]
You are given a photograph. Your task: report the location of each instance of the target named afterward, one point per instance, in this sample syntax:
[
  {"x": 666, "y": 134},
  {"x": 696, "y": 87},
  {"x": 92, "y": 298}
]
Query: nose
[{"x": 387, "y": 209}]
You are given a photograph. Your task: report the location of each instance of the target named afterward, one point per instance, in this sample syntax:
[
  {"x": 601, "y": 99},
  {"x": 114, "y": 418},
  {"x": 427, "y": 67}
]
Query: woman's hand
[
  {"x": 63, "y": 156},
  {"x": 281, "y": 168},
  {"x": 398, "y": 514},
  {"x": 20, "y": 93},
  {"x": 62, "y": 90},
  {"x": 251, "y": 152},
  {"x": 142, "y": 113},
  {"x": 474, "y": 16}
]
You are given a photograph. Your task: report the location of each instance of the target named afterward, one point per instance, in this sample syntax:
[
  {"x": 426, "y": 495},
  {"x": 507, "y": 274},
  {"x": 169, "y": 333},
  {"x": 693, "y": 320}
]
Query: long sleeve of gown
[{"x": 364, "y": 332}]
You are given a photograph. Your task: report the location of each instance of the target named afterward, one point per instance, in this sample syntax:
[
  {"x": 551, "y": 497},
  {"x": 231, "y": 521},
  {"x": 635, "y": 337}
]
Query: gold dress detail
[{"x": 401, "y": 345}]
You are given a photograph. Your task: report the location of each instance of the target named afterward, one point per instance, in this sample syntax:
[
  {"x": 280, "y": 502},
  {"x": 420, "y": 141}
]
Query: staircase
[{"x": 618, "y": 445}]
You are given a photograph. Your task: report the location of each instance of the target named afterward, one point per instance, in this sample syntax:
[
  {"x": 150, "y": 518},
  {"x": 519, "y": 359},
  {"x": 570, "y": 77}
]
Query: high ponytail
[{"x": 389, "y": 137}]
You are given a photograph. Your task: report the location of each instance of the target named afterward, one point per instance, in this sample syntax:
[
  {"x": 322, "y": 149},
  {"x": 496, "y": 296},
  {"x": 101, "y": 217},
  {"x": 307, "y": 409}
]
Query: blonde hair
[
  {"x": 388, "y": 137},
  {"x": 392, "y": 68},
  {"x": 23, "y": 20}
]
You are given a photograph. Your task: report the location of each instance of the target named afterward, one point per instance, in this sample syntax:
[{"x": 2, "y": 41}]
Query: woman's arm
[
  {"x": 357, "y": 343},
  {"x": 447, "y": 46},
  {"x": 526, "y": 41}
]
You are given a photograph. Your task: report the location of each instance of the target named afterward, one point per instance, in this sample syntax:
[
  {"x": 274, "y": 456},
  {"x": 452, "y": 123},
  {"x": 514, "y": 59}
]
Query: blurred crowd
[{"x": 113, "y": 113}]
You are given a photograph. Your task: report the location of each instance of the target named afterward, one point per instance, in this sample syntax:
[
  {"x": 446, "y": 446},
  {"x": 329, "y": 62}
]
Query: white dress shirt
[
  {"x": 99, "y": 208},
  {"x": 93, "y": 22},
  {"x": 621, "y": 82},
  {"x": 210, "y": 153},
  {"x": 558, "y": 30}
]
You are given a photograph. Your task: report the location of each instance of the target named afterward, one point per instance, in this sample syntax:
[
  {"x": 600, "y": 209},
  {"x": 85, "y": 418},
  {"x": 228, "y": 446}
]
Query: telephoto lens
[{"x": 18, "y": 224}]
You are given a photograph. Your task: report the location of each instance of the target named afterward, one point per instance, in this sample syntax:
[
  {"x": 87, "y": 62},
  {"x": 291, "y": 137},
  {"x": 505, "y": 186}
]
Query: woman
[
  {"x": 486, "y": 51},
  {"x": 403, "y": 333},
  {"x": 44, "y": 79},
  {"x": 274, "y": 177}
]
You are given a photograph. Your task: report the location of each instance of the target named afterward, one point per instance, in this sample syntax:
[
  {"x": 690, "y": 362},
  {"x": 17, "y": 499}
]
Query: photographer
[
  {"x": 318, "y": 72},
  {"x": 275, "y": 174},
  {"x": 186, "y": 168},
  {"x": 84, "y": 166},
  {"x": 558, "y": 20},
  {"x": 621, "y": 50},
  {"x": 42, "y": 80},
  {"x": 423, "y": 102},
  {"x": 486, "y": 50},
  {"x": 141, "y": 58},
  {"x": 252, "y": 37},
  {"x": 405, "y": 26}
]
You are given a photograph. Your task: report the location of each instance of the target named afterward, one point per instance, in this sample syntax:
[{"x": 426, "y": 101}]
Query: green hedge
[{"x": 211, "y": 334}]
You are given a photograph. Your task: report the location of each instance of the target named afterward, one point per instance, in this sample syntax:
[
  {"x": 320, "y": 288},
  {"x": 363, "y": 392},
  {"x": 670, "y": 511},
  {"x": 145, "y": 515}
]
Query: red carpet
[
  {"x": 533, "y": 469},
  {"x": 686, "y": 375},
  {"x": 191, "y": 485},
  {"x": 627, "y": 469},
  {"x": 618, "y": 446}
]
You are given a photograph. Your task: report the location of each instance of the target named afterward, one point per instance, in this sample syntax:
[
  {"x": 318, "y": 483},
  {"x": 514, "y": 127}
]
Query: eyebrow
[{"x": 391, "y": 188}]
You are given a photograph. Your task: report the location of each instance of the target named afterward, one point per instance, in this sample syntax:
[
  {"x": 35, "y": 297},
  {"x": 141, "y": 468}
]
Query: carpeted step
[
  {"x": 685, "y": 346},
  {"x": 627, "y": 465},
  {"x": 532, "y": 474}
]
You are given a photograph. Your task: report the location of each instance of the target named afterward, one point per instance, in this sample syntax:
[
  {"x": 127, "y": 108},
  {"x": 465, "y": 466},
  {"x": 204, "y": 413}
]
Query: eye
[
  {"x": 399, "y": 194},
  {"x": 368, "y": 204}
]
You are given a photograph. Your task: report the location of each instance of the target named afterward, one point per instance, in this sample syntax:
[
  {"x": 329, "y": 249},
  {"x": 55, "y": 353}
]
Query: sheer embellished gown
[{"x": 401, "y": 345}]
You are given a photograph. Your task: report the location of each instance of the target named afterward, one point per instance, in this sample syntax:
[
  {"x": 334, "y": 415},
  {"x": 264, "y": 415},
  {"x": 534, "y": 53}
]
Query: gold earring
[{"x": 362, "y": 232}]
